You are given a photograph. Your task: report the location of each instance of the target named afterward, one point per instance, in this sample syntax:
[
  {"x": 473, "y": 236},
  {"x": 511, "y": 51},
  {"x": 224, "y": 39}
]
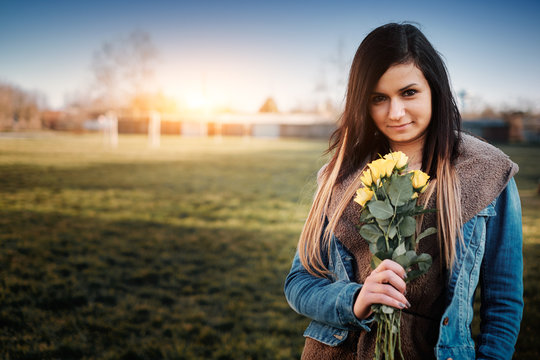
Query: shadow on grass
[
  {"x": 77, "y": 287},
  {"x": 527, "y": 346},
  {"x": 243, "y": 176},
  {"x": 85, "y": 288}
]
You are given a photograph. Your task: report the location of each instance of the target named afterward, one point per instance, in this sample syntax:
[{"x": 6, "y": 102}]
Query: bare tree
[
  {"x": 331, "y": 81},
  {"x": 123, "y": 69},
  {"x": 19, "y": 109}
]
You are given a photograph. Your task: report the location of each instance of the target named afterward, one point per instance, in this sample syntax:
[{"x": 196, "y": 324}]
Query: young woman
[{"x": 399, "y": 99}]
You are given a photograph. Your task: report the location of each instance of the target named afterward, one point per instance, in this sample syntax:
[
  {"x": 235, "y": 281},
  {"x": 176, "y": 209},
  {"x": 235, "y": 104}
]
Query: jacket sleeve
[
  {"x": 502, "y": 279},
  {"x": 326, "y": 300}
]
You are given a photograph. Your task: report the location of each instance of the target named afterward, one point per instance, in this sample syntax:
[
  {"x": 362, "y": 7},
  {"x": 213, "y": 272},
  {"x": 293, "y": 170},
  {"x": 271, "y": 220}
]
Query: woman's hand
[{"x": 385, "y": 285}]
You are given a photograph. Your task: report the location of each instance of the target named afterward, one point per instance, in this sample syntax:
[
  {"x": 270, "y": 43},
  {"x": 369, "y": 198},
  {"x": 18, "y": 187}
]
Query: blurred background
[
  {"x": 158, "y": 159},
  {"x": 63, "y": 63}
]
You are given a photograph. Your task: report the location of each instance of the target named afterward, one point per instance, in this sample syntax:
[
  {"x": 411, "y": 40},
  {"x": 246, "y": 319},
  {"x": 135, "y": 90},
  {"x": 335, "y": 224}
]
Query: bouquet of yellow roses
[{"x": 388, "y": 201}]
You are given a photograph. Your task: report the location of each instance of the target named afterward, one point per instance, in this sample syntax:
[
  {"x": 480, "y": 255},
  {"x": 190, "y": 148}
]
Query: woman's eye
[
  {"x": 377, "y": 99},
  {"x": 409, "y": 92}
]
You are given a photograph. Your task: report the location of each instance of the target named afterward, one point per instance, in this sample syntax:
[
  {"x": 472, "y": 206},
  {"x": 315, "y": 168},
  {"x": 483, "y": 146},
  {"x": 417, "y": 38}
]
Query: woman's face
[{"x": 400, "y": 105}]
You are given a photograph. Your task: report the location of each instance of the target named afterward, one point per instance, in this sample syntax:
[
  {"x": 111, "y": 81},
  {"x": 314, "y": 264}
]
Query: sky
[{"x": 236, "y": 53}]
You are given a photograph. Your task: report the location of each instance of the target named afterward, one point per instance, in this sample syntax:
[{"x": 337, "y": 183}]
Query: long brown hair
[{"x": 357, "y": 140}]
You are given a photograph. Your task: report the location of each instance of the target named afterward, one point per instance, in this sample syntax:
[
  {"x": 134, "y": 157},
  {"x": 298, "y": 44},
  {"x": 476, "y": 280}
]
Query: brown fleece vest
[{"x": 483, "y": 172}]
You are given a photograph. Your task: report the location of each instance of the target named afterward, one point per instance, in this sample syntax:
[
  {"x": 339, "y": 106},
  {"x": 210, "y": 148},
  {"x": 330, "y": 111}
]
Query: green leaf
[
  {"x": 393, "y": 243},
  {"x": 381, "y": 209},
  {"x": 381, "y": 246},
  {"x": 384, "y": 255},
  {"x": 412, "y": 242},
  {"x": 375, "y": 261},
  {"x": 370, "y": 232},
  {"x": 427, "y": 232},
  {"x": 373, "y": 248},
  {"x": 413, "y": 274},
  {"x": 365, "y": 215},
  {"x": 407, "y": 208},
  {"x": 400, "y": 189},
  {"x": 402, "y": 260},
  {"x": 424, "y": 257},
  {"x": 392, "y": 231},
  {"x": 381, "y": 195},
  {"x": 411, "y": 255},
  {"x": 408, "y": 226},
  {"x": 400, "y": 250},
  {"x": 424, "y": 262},
  {"x": 383, "y": 223},
  {"x": 387, "y": 309},
  {"x": 420, "y": 210}
]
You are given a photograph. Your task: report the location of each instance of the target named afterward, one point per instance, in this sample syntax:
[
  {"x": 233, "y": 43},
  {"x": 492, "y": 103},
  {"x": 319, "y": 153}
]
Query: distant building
[
  {"x": 14, "y": 120},
  {"x": 279, "y": 125},
  {"x": 260, "y": 125},
  {"x": 194, "y": 129},
  {"x": 491, "y": 129},
  {"x": 52, "y": 119},
  {"x": 531, "y": 128},
  {"x": 266, "y": 130},
  {"x": 514, "y": 120},
  {"x": 71, "y": 119}
]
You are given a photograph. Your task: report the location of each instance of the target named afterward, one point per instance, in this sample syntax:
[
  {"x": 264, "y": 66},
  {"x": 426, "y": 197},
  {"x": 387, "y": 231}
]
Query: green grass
[
  {"x": 528, "y": 180},
  {"x": 171, "y": 253}
]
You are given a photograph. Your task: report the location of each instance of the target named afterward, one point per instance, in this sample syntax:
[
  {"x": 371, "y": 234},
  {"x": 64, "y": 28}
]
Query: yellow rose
[
  {"x": 381, "y": 168},
  {"x": 375, "y": 170},
  {"x": 366, "y": 178},
  {"x": 363, "y": 195},
  {"x": 420, "y": 180},
  {"x": 388, "y": 165},
  {"x": 399, "y": 158}
]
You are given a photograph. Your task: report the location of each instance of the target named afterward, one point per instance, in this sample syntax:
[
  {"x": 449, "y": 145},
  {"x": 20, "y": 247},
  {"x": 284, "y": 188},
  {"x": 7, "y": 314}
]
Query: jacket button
[{"x": 445, "y": 322}]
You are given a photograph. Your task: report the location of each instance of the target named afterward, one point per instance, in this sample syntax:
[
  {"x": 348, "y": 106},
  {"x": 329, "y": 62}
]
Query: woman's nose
[{"x": 397, "y": 110}]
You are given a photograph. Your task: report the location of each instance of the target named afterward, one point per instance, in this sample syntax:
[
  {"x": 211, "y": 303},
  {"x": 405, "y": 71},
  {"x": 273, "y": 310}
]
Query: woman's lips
[{"x": 400, "y": 127}]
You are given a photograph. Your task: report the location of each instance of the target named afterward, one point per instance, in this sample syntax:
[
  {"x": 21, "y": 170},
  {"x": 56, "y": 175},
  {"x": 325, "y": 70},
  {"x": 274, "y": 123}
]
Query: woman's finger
[
  {"x": 380, "y": 298},
  {"x": 391, "y": 265},
  {"x": 389, "y": 277},
  {"x": 389, "y": 291}
]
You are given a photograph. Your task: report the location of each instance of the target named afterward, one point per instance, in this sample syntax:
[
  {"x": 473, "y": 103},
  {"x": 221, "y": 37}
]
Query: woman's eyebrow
[
  {"x": 408, "y": 86},
  {"x": 403, "y": 88}
]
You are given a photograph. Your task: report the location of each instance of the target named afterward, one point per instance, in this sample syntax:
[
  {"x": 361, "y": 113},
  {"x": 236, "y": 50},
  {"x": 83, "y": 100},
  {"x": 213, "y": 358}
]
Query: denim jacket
[{"x": 491, "y": 256}]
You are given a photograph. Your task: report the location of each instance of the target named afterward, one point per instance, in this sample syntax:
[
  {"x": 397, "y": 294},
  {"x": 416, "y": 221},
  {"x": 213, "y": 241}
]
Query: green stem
[
  {"x": 391, "y": 221},
  {"x": 377, "y": 342},
  {"x": 388, "y": 229},
  {"x": 385, "y": 233},
  {"x": 399, "y": 336},
  {"x": 390, "y": 338},
  {"x": 375, "y": 193},
  {"x": 386, "y": 339}
]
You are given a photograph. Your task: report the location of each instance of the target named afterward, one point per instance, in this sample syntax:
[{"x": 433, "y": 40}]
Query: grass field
[{"x": 171, "y": 253}]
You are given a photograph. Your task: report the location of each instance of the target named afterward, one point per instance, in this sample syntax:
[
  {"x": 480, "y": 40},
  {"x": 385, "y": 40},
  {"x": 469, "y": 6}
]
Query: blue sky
[{"x": 239, "y": 52}]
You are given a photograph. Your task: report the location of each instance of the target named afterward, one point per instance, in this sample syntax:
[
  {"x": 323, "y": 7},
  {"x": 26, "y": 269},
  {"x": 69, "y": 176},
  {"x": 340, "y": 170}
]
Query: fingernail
[
  {"x": 401, "y": 305},
  {"x": 405, "y": 275},
  {"x": 408, "y": 304}
]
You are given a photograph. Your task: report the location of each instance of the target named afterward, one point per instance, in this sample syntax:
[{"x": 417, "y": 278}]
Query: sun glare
[{"x": 197, "y": 102}]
